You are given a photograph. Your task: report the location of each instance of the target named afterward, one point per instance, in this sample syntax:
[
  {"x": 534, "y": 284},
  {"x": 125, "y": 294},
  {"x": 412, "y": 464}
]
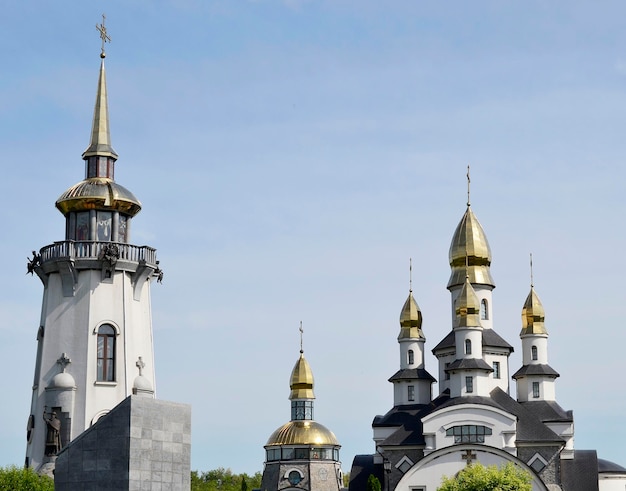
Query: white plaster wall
[
  {"x": 541, "y": 341},
  {"x": 612, "y": 482},
  {"x": 418, "y": 353}
]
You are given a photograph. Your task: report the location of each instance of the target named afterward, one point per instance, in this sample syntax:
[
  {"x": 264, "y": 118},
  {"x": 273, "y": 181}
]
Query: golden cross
[
  {"x": 468, "y": 185},
  {"x": 301, "y": 333},
  {"x": 103, "y": 35},
  {"x": 410, "y": 275},
  {"x": 531, "y": 270}
]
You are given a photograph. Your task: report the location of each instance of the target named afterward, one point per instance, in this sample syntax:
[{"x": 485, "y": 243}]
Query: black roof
[
  {"x": 538, "y": 369},
  {"x": 362, "y": 467},
  {"x": 549, "y": 411},
  {"x": 608, "y": 467},
  {"x": 490, "y": 338},
  {"x": 412, "y": 374},
  {"x": 469, "y": 364},
  {"x": 581, "y": 472}
]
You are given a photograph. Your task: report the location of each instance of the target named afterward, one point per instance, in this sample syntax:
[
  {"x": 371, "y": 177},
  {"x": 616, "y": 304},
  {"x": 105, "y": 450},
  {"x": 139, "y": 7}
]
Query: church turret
[
  {"x": 470, "y": 278},
  {"x": 302, "y": 453},
  {"x": 536, "y": 379},
  {"x": 96, "y": 327},
  {"x": 412, "y": 384}
]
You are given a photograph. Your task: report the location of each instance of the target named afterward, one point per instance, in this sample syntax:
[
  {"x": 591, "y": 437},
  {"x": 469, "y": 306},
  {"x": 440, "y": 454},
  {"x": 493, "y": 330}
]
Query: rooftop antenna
[
  {"x": 301, "y": 333},
  {"x": 103, "y": 35}
]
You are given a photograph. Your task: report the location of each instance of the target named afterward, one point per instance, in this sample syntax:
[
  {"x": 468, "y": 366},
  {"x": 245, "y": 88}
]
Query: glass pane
[
  {"x": 82, "y": 225},
  {"x": 121, "y": 233},
  {"x": 104, "y": 226},
  {"x": 288, "y": 453}
]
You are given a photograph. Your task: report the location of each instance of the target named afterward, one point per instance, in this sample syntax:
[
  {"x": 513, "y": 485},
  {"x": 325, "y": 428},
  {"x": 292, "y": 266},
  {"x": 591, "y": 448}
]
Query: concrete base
[{"x": 141, "y": 444}]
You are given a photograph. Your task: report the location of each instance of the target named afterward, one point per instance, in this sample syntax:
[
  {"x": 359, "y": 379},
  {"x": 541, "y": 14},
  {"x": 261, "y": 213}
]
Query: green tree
[
  {"x": 373, "y": 484},
  {"x": 23, "y": 479},
  {"x": 244, "y": 484},
  {"x": 221, "y": 479},
  {"x": 477, "y": 477}
]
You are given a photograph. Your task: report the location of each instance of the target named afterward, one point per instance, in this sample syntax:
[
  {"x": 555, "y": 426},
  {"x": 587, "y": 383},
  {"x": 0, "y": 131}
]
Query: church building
[
  {"x": 474, "y": 418},
  {"x": 302, "y": 454},
  {"x": 94, "y": 340}
]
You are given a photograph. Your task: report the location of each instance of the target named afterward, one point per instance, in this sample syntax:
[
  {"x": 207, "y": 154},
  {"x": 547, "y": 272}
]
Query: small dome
[
  {"x": 142, "y": 383},
  {"x": 533, "y": 315},
  {"x": 301, "y": 382},
  {"x": 411, "y": 320},
  {"x": 62, "y": 380},
  {"x": 470, "y": 246},
  {"x": 302, "y": 433},
  {"x": 467, "y": 306},
  {"x": 99, "y": 193}
]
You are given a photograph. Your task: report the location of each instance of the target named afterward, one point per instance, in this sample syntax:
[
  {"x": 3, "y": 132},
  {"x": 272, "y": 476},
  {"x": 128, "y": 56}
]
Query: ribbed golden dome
[
  {"x": 301, "y": 383},
  {"x": 467, "y": 306},
  {"x": 99, "y": 193},
  {"x": 533, "y": 315},
  {"x": 411, "y": 320},
  {"x": 470, "y": 246},
  {"x": 302, "y": 433}
]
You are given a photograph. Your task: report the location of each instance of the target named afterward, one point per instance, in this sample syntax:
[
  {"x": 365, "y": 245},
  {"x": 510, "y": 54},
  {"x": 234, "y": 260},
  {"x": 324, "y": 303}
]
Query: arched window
[
  {"x": 468, "y": 347},
  {"x": 533, "y": 352},
  {"x": 411, "y": 357},
  {"x": 484, "y": 311},
  {"x": 106, "y": 353}
]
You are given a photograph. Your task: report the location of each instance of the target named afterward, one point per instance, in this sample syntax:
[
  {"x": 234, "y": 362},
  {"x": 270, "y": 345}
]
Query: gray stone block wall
[{"x": 142, "y": 444}]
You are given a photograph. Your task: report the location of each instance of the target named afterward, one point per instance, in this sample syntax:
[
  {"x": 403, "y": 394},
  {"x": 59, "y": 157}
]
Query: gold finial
[
  {"x": 468, "y": 185},
  {"x": 410, "y": 275},
  {"x": 301, "y": 333},
  {"x": 103, "y": 35},
  {"x": 531, "y": 270}
]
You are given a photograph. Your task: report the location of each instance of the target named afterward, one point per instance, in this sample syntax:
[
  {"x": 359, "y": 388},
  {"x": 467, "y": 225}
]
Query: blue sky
[{"x": 291, "y": 156}]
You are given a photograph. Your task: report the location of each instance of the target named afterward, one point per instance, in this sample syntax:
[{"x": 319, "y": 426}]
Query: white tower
[
  {"x": 536, "y": 379},
  {"x": 96, "y": 328},
  {"x": 412, "y": 384}
]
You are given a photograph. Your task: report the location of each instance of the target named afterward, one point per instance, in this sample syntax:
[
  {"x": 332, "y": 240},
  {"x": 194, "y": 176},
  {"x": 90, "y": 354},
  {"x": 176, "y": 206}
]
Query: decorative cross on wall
[
  {"x": 468, "y": 457},
  {"x": 64, "y": 361},
  {"x": 140, "y": 365}
]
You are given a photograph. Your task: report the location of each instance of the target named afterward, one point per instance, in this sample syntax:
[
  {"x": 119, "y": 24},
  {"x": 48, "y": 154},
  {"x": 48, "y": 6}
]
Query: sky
[{"x": 290, "y": 157}]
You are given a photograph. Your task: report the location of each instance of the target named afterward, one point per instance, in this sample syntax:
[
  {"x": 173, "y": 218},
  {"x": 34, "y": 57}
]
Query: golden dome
[
  {"x": 301, "y": 383},
  {"x": 99, "y": 193},
  {"x": 470, "y": 246},
  {"x": 411, "y": 320},
  {"x": 533, "y": 315},
  {"x": 302, "y": 433},
  {"x": 467, "y": 306}
]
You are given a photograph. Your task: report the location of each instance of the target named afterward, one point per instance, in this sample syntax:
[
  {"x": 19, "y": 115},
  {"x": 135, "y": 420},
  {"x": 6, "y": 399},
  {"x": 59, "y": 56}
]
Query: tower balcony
[{"x": 68, "y": 257}]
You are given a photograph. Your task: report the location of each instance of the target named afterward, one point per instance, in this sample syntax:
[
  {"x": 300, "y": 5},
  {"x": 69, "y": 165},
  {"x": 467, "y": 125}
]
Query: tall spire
[{"x": 100, "y": 143}]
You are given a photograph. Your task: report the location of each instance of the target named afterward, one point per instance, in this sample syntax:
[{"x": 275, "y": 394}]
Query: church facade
[{"x": 473, "y": 418}]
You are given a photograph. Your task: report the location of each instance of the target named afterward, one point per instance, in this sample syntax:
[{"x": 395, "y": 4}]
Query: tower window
[
  {"x": 411, "y": 392},
  {"x": 411, "y": 357},
  {"x": 484, "y": 311},
  {"x": 301, "y": 410},
  {"x": 469, "y": 433},
  {"x": 468, "y": 347},
  {"x": 496, "y": 369},
  {"x": 106, "y": 353},
  {"x": 536, "y": 390},
  {"x": 104, "y": 226},
  {"x": 447, "y": 373},
  {"x": 533, "y": 353},
  {"x": 469, "y": 384}
]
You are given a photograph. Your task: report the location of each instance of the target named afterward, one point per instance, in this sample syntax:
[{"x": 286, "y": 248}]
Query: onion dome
[
  {"x": 302, "y": 433},
  {"x": 62, "y": 380},
  {"x": 98, "y": 193},
  {"x": 301, "y": 382},
  {"x": 411, "y": 320},
  {"x": 533, "y": 315},
  {"x": 467, "y": 306},
  {"x": 142, "y": 387},
  {"x": 470, "y": 247}
]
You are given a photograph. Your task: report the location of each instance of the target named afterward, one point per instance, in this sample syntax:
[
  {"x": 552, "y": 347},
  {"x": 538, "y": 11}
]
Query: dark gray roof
[
  {"x": 412, "y": 374},
  {"x": 608, "y": 467},
  {"x": 581, "y": 472},
  {"x": 549, "y": 411},
  {"x": 530, "y": 428},
  {"x": 469, "y": 364},
  {"x": 536, "y": 370},
  {"x": 362, "y": 467},
  {"x": 490, "y": 338}
]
